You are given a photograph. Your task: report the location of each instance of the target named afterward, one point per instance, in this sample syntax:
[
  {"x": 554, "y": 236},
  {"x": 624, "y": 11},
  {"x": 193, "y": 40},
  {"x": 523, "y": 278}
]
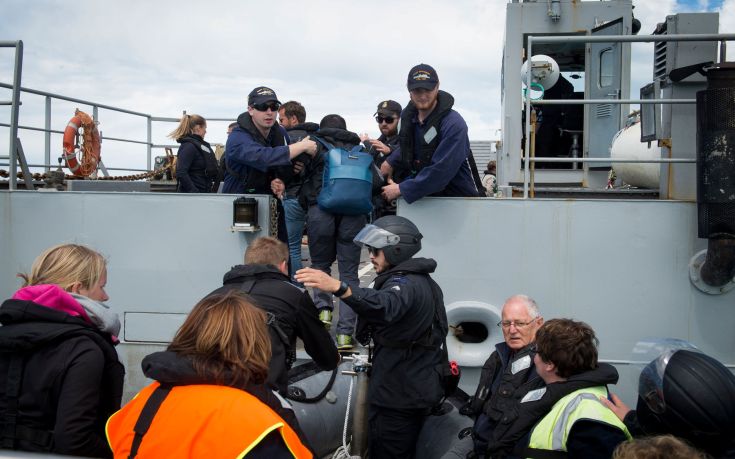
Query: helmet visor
[{"x": 377, "y": 237}]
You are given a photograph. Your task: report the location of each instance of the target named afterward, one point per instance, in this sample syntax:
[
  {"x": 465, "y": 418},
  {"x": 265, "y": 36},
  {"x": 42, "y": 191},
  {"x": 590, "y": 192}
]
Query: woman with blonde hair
[
  {"x": 197, "y": 170},
  {"x": 61, "y": 375},
  {"x": 209, "y": 398}
]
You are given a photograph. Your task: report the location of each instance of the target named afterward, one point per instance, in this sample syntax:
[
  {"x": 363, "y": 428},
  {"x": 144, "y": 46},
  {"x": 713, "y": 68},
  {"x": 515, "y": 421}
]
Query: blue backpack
[{"x": 347, "y": 181}]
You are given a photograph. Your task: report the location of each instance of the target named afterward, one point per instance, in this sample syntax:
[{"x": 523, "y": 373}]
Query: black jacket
[
  {"x": 196, "y": 167},
  {"x": 296, "y": 133},
  {"x": 506, "y": 377},
  {"x": 296, "y": 317},
  {"x": 532, "y": 411},
  {"x": 169, "y": 368},
  {"x": 71, "y": 382},
  {"x": 402, "y": 309}
]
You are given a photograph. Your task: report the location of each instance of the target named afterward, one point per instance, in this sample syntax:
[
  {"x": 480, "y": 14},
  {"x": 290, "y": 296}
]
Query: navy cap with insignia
[
  {"x": 422, "y": 76},
  {"x": 261, "y": 95}
]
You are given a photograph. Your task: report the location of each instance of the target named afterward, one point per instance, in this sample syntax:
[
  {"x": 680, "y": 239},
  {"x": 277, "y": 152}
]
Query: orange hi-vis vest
[{"x": 199, "y": 421}]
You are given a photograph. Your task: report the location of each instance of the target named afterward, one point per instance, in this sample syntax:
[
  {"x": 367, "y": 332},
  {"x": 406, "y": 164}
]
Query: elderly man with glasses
[{"x": 506, "y": 377}]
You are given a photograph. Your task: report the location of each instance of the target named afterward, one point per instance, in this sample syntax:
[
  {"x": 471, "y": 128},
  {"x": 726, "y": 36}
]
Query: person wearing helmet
[
  {"x": 688, "y": 394},
  {"x": 405, "y": 317}
]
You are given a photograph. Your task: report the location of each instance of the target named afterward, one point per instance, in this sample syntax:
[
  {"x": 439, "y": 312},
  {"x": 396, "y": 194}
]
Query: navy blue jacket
[
  {"x": 449, "y": 173},
  {"x": 247, "y": 149}
]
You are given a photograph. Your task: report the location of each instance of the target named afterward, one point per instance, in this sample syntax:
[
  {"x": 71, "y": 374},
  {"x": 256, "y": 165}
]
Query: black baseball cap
[
  {"x": 422, "y": 76},
  {"x": 261, "y": 95},
  {"x": 389, "y": 108}
]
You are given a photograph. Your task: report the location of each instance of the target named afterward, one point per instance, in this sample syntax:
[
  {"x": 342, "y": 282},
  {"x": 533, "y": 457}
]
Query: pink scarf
[{"x": 53, "y": 297}]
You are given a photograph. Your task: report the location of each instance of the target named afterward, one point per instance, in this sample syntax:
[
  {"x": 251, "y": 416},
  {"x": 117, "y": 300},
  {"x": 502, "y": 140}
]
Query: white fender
[{"x": 472, "y": 354}]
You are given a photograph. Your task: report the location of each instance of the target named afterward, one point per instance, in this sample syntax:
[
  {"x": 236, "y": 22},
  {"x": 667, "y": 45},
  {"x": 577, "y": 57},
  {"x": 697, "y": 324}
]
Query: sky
[{"x": 166, "y": 56}]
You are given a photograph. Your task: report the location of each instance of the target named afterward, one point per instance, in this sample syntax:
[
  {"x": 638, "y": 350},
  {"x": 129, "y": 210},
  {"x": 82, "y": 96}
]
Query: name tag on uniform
[
  {"x": 533, "y": 395},
  {"x": 430, "y": 134},
  {"x": 521, "y": 364}
]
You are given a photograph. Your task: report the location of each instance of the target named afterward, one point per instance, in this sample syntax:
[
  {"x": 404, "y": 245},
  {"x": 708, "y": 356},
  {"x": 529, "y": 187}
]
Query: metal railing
[
  {"x": 14, "y": 107},
  {"x": 14, "y": 127},
  {"x": 527, "y": 176}
]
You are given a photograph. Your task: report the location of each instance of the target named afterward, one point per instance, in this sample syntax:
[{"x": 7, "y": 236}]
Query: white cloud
[{"x": 165, "y": 56}]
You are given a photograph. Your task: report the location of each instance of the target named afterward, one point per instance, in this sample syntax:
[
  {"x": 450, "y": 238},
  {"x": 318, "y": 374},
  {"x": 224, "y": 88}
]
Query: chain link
[
  {"x": 274, "y": 217},
  {"x": 38, "y": 176}
]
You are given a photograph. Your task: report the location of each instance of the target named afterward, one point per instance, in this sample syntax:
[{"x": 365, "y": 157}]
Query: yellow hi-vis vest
[{"x": 553, "y": 430}]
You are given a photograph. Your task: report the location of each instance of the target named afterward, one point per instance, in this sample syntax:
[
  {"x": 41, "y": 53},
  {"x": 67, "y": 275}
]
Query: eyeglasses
[
  {"x": 372, "y": 250},
  {"x": 387, "y": 119},
  {"x": 516, "y": 323},
  {"x": 273, "y": 106}
]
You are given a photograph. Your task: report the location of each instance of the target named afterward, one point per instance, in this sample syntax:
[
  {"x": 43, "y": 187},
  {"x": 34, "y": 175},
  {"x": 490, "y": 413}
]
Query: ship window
[{"x": 606, "y": 67}]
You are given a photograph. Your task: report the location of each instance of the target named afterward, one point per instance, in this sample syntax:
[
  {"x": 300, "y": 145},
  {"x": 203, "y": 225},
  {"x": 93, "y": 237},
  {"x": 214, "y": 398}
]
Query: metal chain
[
  {"x": 38, "y": 176},
  {"x": 274, "y": 217}
]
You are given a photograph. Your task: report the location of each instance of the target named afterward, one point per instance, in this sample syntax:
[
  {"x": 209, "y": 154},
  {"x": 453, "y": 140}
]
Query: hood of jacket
[
  {"x": 339, "y": 137},
  {"x": 245, "y": 122},
  {"x": 240, "y": 272},
  {"x": 412, "y": 265},
  {"x": 301, "y": 130},
  {"x": 55, "y": 298},
  {"x": 170, "y": 368},
  {"x": 28, "y": 325}
]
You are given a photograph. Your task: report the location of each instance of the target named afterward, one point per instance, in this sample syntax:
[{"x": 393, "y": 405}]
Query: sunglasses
[
  {"x": 372, "y": 250},
  {"x": 273, "y": 106},
  {"x": 387, "y": 119}
]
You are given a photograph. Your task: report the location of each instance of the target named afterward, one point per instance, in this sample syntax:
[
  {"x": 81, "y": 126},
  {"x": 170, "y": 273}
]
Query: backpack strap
[
  {"x": 12, "y": 432},
  {"x": 272, "y": 319},
  {"x": 12, "y": 391},
  {"x": 145, "y": 419},
  {"x": 326, "y": 144},
  {"x": 476, "y": 175}
]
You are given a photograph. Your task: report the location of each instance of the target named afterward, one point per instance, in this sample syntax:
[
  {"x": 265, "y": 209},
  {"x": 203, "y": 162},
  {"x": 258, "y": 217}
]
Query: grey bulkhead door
[{"x": 604, "y": 70}]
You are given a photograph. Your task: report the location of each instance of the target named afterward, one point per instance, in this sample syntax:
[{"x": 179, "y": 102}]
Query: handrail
[
  {"x": 598, "y": 39},
  {"x": 15, "y": 106},
  {"x": 74, "y": 99},
  {"x": 14, "y": 126},
  {"x": 614, "y": 160}
]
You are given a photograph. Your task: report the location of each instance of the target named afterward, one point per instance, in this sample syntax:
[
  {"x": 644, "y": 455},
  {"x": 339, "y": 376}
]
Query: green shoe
[
  {"x": 325, "y": 315},
  {"x": 344, "y": 342}
]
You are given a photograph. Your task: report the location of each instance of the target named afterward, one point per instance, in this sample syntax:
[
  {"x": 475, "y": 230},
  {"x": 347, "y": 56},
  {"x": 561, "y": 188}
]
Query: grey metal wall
[
  {"x": 165, "y": 252},
  {"x": 621, "y": 266}
]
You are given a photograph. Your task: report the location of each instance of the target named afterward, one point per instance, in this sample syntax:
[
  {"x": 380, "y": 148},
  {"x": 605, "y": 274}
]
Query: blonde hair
[
  {"x": 266, "y": 251},
  {"x": 186, "y": 126},
  {"x": 227, "y": 340},
  {"x": 65, "y": 265},
  {"x": 659, "y": 447}
]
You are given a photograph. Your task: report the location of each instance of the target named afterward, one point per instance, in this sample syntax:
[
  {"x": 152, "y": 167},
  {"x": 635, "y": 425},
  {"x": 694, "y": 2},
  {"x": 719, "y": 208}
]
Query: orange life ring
[{"x": 81, "y": 145}]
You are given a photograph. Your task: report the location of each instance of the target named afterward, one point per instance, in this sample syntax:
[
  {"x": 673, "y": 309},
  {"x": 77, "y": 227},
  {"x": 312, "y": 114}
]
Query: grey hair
[{"x": 529, "y": 302}]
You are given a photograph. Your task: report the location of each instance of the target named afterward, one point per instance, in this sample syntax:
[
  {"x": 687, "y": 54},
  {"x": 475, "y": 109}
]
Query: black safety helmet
[
  {"x": 397, "y": 236},
  {"x": 690, "y": 395}
]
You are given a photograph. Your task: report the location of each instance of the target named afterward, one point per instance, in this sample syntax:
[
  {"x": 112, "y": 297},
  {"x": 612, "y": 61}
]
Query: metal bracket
[
  {"x": 27, "y": 178},
  {"x": 695, "y": 267}
]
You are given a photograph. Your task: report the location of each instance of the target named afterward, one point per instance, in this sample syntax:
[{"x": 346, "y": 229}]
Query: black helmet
[
  {"x": 397, "y": 236},
  {"x": 690, "y": 395}
]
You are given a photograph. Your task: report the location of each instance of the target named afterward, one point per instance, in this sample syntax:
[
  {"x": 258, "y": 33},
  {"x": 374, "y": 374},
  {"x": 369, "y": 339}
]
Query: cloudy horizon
[{"x": 167, "y": 56}]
